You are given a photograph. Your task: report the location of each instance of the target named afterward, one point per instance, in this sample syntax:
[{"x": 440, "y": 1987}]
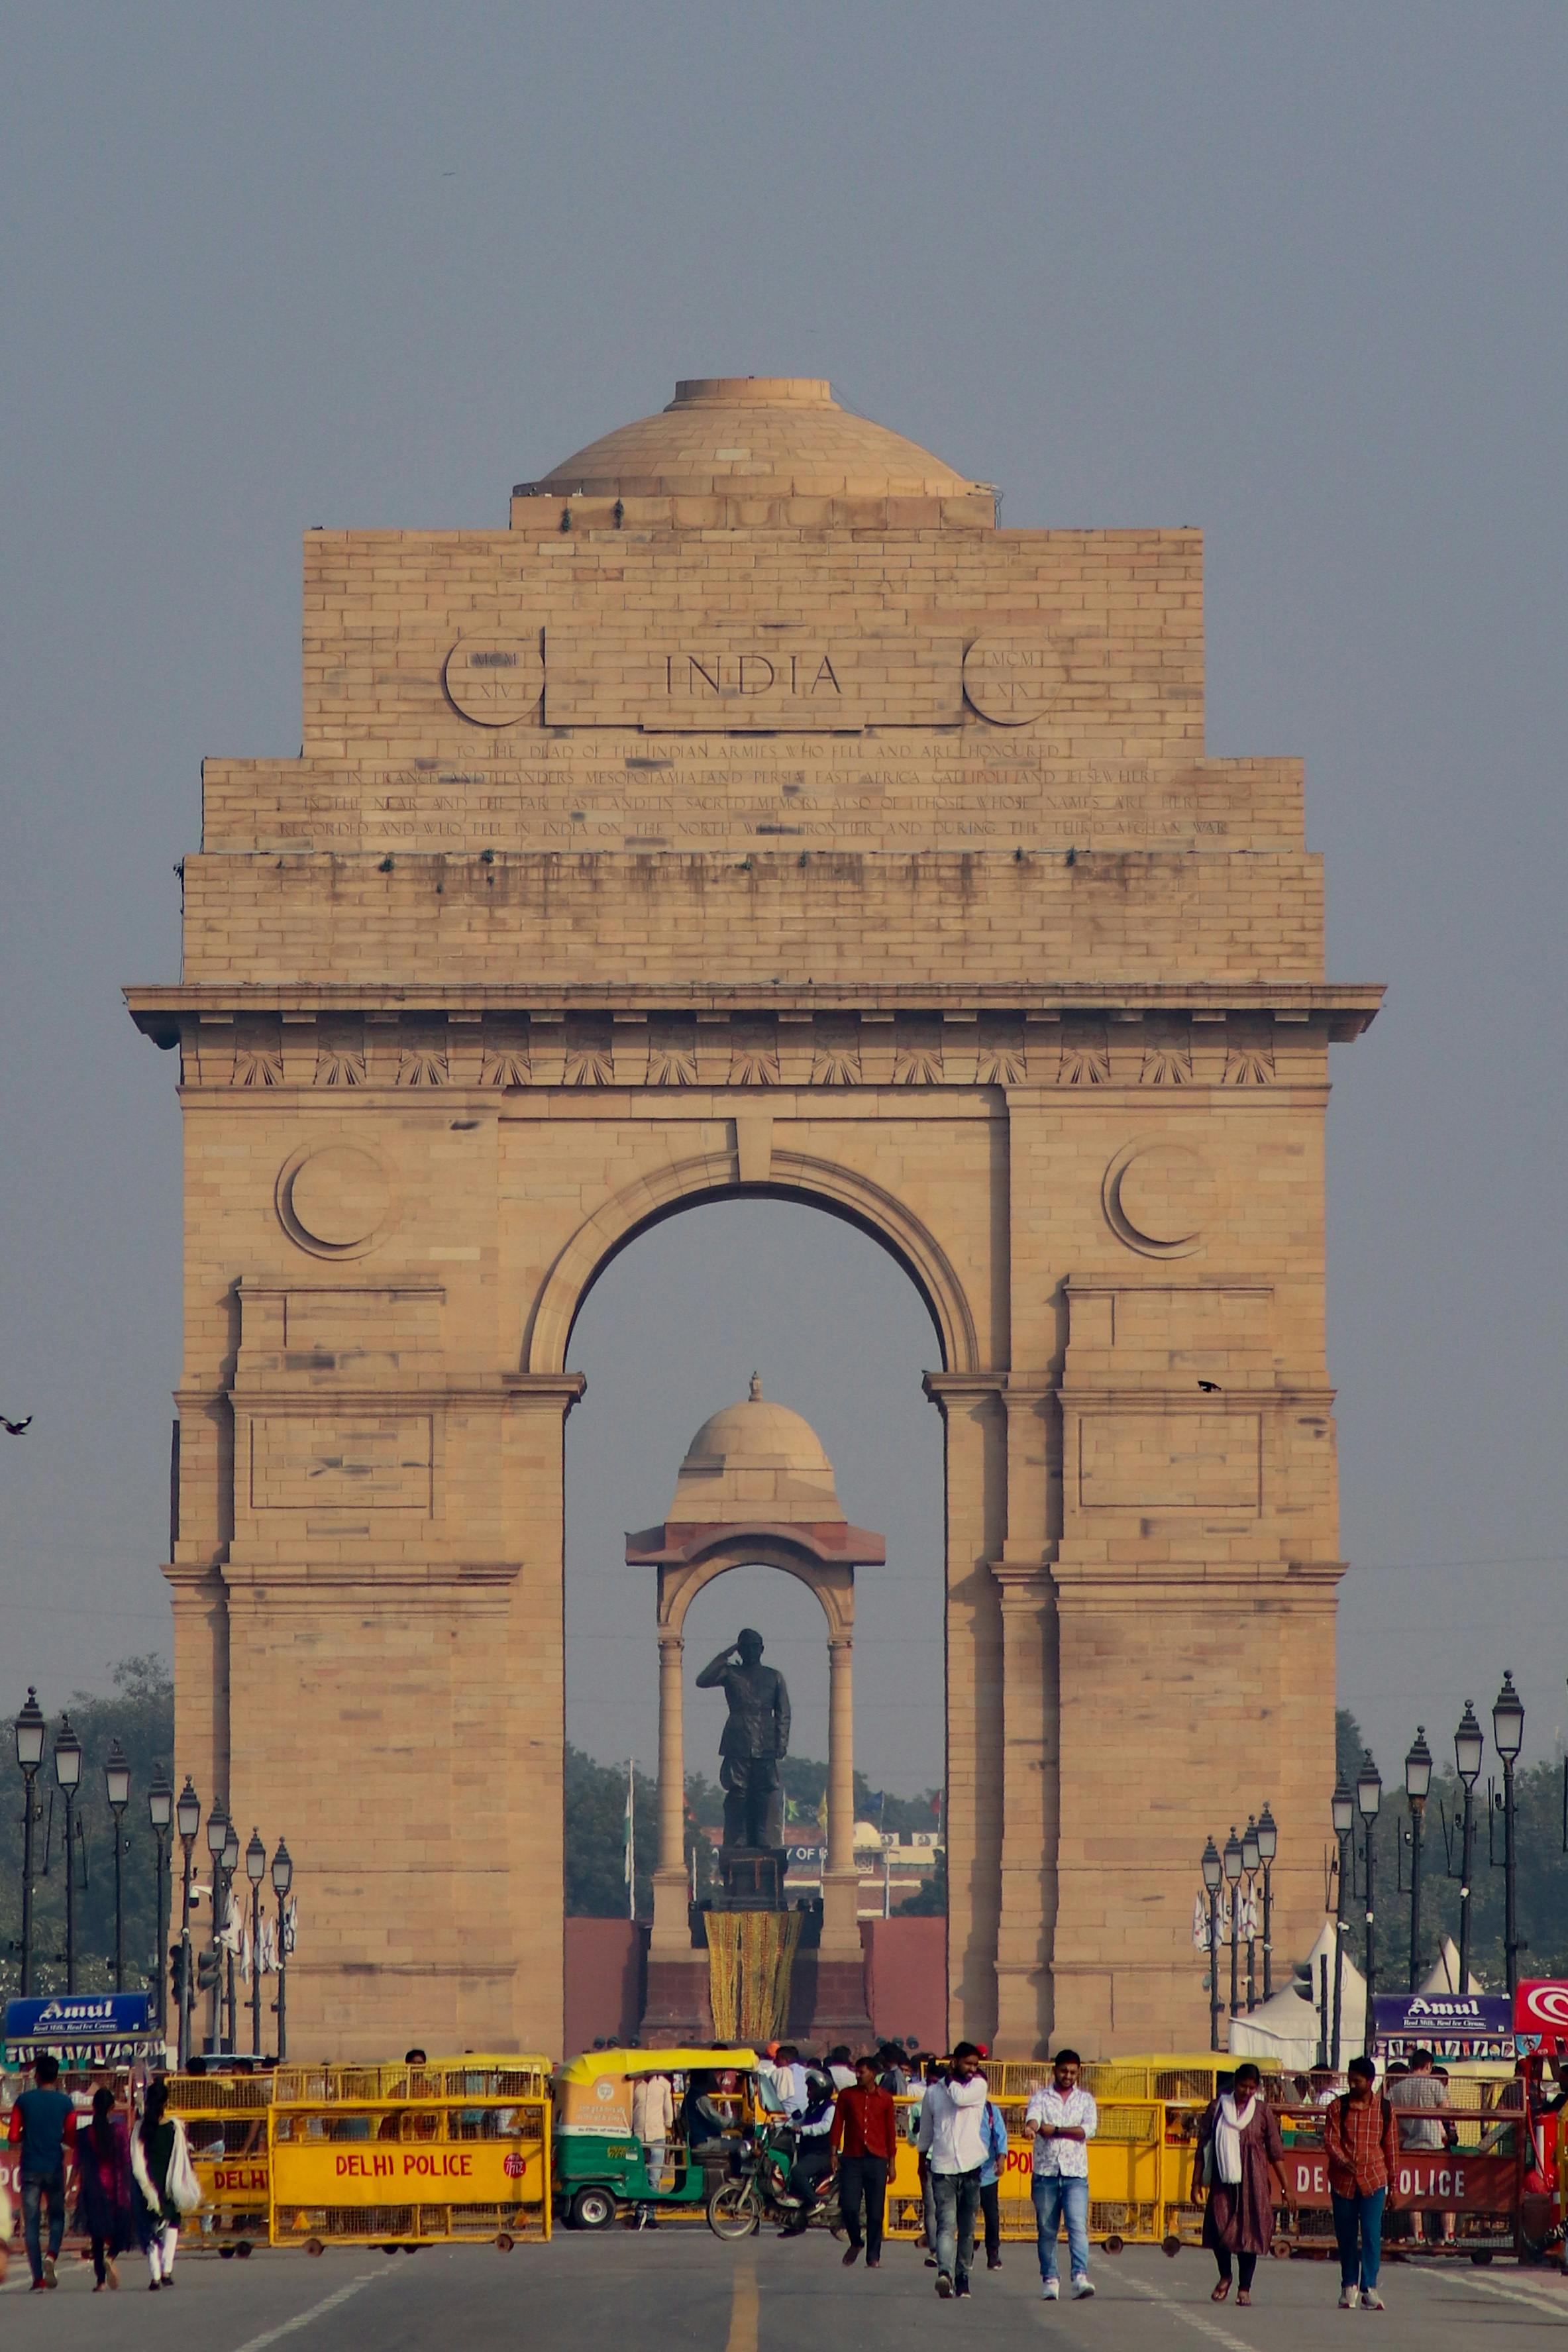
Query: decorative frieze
[
  {"x": 1086, "y": 1058},
  {"x": 918, "y": 1051},
  {"x": 423, "y": 1060},
  {"x": 673, "y": 1050},
  {"x": 1168, "y": 1053},
  {"x": 1249, "y": 1051},
  {"x": 258, "y": 1050},
  {"x": 792, "y": 1048},
  {"x": 340, "y": 1052}
]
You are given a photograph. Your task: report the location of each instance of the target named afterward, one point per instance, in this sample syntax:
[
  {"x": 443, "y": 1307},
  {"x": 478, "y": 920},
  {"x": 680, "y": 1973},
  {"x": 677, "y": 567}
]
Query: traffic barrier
[
  {"x": 225, "y": 2118},
  {"x": 1125, "y": 2200},
  {"x": 475, "y": 2074},
  {"x": 1182, "y": 2081},
  {"x": 1141, "y": 2168},
  {"x": 411, "y": 2169}
]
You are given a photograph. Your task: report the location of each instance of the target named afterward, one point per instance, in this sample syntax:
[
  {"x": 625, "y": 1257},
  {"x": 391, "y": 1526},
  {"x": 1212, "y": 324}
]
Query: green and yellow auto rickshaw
[{"x": 600, "y": 2165}]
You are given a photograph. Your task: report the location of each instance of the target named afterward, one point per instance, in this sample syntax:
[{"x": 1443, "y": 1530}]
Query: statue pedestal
[{"x": 751, "y": 1878}]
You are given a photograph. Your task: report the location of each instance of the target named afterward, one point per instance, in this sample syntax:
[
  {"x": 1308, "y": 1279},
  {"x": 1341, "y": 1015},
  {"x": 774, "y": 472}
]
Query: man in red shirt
[{"x": 865, "y": 2139}]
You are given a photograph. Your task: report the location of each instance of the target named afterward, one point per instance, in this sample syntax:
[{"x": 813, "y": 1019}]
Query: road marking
[
  {"x": 1200, "y": 2320},
  {"x": 316, "y": 2310},
  {"x": 742, "y": 2308},
  {"x": 1557, "y": 2304}
]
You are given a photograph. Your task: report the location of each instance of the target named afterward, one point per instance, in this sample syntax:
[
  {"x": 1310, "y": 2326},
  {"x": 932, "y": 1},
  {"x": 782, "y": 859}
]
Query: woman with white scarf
[{"x": 1239, "y": 2179}]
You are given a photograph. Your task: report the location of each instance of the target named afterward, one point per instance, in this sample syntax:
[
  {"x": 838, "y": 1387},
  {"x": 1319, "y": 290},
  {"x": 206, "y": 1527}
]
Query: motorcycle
[{"x": 757, "y": 2188}]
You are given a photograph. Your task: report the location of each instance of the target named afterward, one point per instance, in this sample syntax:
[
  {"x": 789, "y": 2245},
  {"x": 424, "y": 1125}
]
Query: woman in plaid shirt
[{"x": 1361, "y": 2140}]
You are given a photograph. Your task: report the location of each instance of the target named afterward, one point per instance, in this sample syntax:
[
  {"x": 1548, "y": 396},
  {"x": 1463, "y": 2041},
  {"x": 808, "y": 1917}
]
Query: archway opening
[{"x": 673, "y": 1329}]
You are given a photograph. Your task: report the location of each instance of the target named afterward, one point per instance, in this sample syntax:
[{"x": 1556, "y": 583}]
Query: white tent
[
  {"x": 1285, "y": 2029},
  {"x": 1444, "y": 1976}
]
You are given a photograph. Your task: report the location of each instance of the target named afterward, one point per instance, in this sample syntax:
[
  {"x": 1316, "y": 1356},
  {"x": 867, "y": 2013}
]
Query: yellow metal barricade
[
  {"x": 475, "y": 2074},
  {"x": 413, "y": 2169},
  {"x": 225, "y": 2118},
  {"x": 1126, "y": 2169}
]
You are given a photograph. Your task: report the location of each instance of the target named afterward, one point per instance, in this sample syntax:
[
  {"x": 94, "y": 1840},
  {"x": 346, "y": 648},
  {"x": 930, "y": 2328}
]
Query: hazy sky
[{"x": 1294, "y": 273}]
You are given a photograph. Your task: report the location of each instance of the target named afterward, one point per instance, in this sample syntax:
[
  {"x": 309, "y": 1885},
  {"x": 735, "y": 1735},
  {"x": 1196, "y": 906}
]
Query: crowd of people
[
  {"x": 135, "y": 2181},
  {"x": 847, "y": 2126}
]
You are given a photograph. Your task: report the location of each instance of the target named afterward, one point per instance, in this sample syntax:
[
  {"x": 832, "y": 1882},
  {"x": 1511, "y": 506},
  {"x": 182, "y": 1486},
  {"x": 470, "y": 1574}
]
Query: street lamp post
[
  {"x": 256, "y": 1871},
  {"x": 1213, "y": 1872},
  {"x": 217, "y": 1838},
  {"x": 188, "y": 1820},
  {"x": 161, "y": 1814},
  {"x": 1267, "y": 1847},
  {"x": 1343, "y": 1813},
  {"x": 117, "y": 1788},
  {"x": 1468, "y": 1747},
  {"x": 282, "y": 1879},
  {"x": 29, "y": 1728},
  {"x": 1232, "y": 1860},
  {"x": 231, "y": 1866},
  {"x": 1418, "y": 1787},
  {"x": 1251, "y": 1862},
  {"x": 68, "y": 1772},
  {"x": 1368, "y": 1797},
  {"x": 1507, "y": 1732}
]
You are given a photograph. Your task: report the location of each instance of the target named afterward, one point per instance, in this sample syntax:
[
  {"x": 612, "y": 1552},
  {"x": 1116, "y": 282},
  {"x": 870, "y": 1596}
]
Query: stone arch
[
  {"x": 830, "y": 1581},
  {"x": 795, "y": 1176}
]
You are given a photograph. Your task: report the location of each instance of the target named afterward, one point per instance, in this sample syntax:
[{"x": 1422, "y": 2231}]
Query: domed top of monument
[
  {"x": 763, "y": 435},
  {"x": 756, "y": 1461}
]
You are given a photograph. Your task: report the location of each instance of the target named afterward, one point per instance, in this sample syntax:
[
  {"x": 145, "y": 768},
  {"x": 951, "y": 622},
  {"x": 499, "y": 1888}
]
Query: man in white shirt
[
  {"x": 789, "y": 2078},
  {"x": 841, "y": 2067},
  {"x": 951, "y": 2157},
  {"x": 1063, "y": 2117},
  {"x": 653, "y": 2119}
]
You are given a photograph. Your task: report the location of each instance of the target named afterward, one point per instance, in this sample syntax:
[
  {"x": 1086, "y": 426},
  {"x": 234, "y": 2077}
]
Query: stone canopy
[{"x": 755, "y": 1465}]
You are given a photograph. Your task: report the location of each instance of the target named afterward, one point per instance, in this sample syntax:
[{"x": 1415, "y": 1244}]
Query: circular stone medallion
[
  {"x": 1159, "y": 1198},
  {"x": 335, "y": 1200},
  {"x": 1013, "y": 676},
  {"x": 495, "y": 681}
]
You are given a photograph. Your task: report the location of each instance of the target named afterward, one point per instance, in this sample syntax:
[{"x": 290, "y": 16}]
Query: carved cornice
[{"x": 323, "y": 1008}]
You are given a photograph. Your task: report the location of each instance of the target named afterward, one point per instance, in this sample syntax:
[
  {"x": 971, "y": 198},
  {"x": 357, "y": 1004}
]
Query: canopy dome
[
  {"x": 756, "y": 1461},
  {"x": 763, "y": 435}
]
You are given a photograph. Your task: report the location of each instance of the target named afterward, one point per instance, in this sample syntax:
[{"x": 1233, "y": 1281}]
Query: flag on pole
[{"x": 629, "y": 1839}]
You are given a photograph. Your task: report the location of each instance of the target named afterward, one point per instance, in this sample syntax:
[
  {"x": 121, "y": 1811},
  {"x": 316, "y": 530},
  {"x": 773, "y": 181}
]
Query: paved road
[{"x": 619, "y": 2293}]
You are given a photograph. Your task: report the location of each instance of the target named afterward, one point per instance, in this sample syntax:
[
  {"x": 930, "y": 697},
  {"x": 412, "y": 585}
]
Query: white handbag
[{"x": 184, "y": 2188}]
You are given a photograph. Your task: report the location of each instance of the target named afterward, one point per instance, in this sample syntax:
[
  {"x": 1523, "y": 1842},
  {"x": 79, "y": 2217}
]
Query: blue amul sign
[{"x": 78, "y": 2017}]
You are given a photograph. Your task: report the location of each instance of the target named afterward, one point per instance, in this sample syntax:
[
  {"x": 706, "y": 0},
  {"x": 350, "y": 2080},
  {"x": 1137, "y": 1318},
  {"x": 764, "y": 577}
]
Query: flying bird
[
  {"x": 15, "y": 1428},
  {"x": 1209, "y": 1388}
]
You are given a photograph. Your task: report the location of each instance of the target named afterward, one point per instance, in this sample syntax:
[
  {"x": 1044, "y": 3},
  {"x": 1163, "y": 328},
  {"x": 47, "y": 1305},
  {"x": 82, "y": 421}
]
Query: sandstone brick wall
[{"x": 695, "y": 924}]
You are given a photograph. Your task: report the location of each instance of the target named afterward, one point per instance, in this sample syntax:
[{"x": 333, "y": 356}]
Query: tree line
[{"x": 1542, "y": 1866}]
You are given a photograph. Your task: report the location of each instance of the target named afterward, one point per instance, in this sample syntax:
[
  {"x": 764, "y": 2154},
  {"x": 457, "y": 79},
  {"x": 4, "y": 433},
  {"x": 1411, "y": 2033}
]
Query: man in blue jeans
[
  {"x": 1063, "y": 2119},
  {"x": 43, "y": 2124},
  {"x": 951, "y": 2157}
]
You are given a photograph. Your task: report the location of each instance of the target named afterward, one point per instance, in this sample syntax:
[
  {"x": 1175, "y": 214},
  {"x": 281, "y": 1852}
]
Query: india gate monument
[{"x": 754, "y": 816}]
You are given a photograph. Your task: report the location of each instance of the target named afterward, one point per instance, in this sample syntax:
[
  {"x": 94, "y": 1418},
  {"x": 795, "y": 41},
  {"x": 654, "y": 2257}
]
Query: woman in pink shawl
[{"x": 1240, "y": 2167}]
